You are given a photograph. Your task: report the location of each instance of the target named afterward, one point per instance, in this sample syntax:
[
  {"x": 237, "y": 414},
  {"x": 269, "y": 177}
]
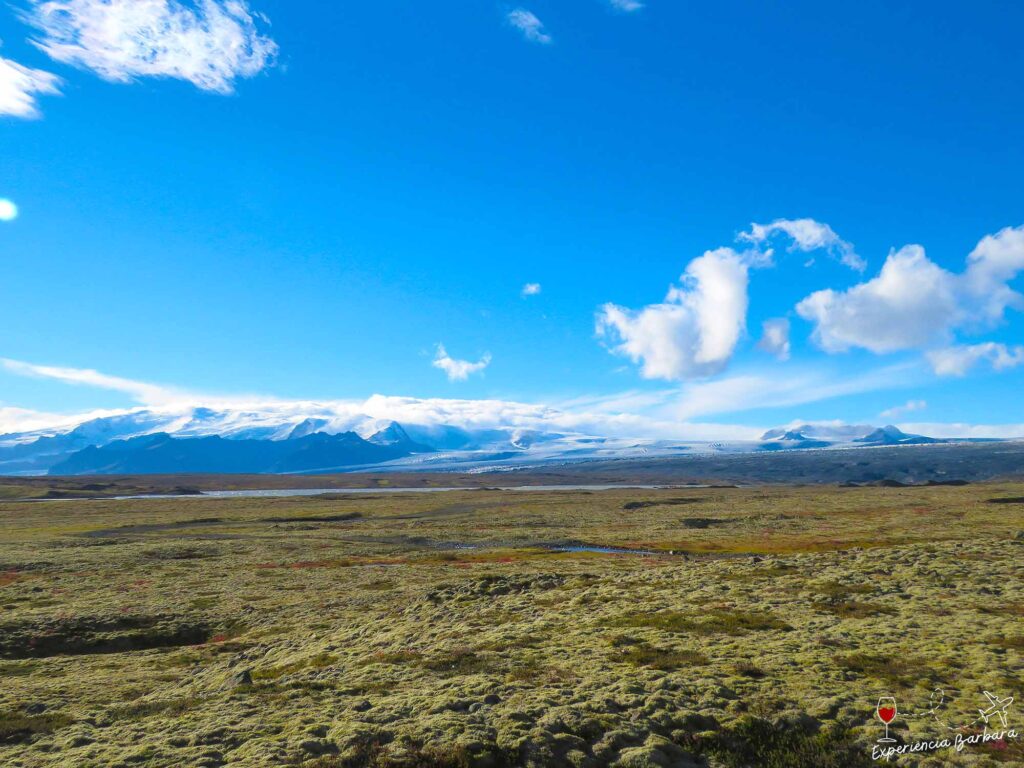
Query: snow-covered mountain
[{"x": 322, "y": 439}]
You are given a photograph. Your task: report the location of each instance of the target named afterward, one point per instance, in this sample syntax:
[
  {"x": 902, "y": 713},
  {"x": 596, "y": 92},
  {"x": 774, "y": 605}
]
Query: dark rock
[
  {"x": 362, "y": 706},
  {"x": 492, "y": 699}
]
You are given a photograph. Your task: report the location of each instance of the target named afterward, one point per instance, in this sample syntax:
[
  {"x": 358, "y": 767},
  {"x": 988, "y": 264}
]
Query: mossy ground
[{"x": 442, "y": 630}]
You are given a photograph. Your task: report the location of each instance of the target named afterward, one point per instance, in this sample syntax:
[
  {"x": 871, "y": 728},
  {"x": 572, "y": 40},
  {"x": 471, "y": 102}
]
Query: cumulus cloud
[
  {"x": 910, "y": 304},
  {"x": 531, "y": 27},
  {"x": 958, "y": 360},
  {"x": 8, "y": 210},
  {"x": 993, "y": 263},
  {"x": 19, "y": 87},
  {"x": 914, "y": 303},
  {"x": 531, "y": 289},
  {"x": 909, "y": 407},
  {"x": 628, "y": 6},
  {"x": 694, "y": 331},
  {"x": 775, "y": 338},
  {"x": 807, "y": 235},
  {"x": 208, "y": 45},
  {"x": 458, "y": 370}
]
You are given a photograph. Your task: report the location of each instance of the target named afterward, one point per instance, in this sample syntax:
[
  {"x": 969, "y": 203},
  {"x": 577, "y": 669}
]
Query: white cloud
[
  {"x": 911, "y": 304},
  {"x": 150, "y": 394},
  {"x": 958, "y": 360},
  {"x": 914, "y": 303},
  {"x": 694, "y": 331},
  {"x": 209, "y": 45},
  {"x": 531, "y": 289},
  {"x": 19, "y": 86},
  {"x": 909, "y": 407},
  {"x": 807, "y": 235},
  {"x": 458, "y": 370},
  {"x": 775, "y": 338},
  {"x": 627, "y": 6},
  {"x": 531, "y": 27},
  {"x": 993, "y": 263},
  {"x": 8, "y": 210}
]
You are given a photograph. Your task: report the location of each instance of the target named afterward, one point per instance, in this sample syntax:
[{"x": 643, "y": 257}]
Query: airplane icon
[{"x": 997, "y": 706}]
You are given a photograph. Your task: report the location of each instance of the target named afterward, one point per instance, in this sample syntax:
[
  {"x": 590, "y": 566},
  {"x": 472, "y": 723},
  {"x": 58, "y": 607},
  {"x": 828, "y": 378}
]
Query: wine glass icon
[{"x": 886, "y": 711}]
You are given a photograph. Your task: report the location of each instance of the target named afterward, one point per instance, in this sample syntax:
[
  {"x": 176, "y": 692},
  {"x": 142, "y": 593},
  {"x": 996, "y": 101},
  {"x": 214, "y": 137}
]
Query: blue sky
[{"x": 312, "y": 217}]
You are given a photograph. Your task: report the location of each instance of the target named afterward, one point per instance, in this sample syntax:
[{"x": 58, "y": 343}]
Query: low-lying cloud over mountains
[{"x": 290, "y": 440}]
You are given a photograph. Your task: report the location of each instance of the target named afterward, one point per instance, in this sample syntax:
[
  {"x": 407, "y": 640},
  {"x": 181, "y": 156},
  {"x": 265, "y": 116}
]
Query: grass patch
[
  {"x": 853, "y": 609},
  {"x": 901, "y": 671},
  {"x": 757, "y": 742},
  {"x": 17, "y": 728},
  {"x": 746, "y": 669},
  {"x": 141, "y": 710},
  {"x": 372, "y": 753},
  {"x": 712, "y": 622},
  {"x": 839, "y": 591},
  {"x": 665, "y": 659},
  {"x": 460, "y": 661},
  {"x": 319, "y": 661}
]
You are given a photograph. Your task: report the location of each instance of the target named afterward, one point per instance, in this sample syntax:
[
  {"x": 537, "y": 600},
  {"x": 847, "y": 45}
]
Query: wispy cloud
[
  {"x": 458, "y": 370},
  {"x": 958, "y": 360},
  {"x": 142, "y": 392},
  {"x": 209, "y": 45},
  {"x": 900, "y": 410},
  {"x": 530, "y": 289},
  {"x": 627, "y": 6},
  {"x": 8, "y": 210},
  {"x": 20, "y": 86},
  {"x": 775, "y": 338},
  {"x": 759, "y": 390},
  {"x": 531, "y": 27},
  {"x": 807, "y": 235}
]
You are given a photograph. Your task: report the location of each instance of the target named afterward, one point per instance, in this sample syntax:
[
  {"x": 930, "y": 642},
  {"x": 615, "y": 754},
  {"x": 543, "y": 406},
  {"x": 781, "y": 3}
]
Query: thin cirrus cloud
[
  {"x": 20, "y": 87},
  {"x": 627, "y": 6},
  {"x": 529, "y": 25},
  {"x": 209, "y": 46},
  {"x": 913, "y": 303},
  {"x": 458, "y": 370}
]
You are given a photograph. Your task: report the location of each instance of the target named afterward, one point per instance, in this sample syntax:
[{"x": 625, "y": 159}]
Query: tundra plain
[{"x": 677, "y": 627}]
